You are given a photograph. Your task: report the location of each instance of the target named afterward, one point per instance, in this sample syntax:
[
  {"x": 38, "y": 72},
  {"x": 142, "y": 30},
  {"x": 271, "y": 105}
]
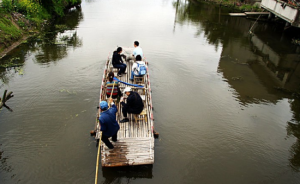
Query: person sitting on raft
[
  {"x": 112, "y": 86},
  {"x": 138, "y": 68},
  {"x": 117, "y": 61},
  {"x": 134, "y": 104},
  {"x": 108, "y": 122},
  {"x": 137, "y": 51}
]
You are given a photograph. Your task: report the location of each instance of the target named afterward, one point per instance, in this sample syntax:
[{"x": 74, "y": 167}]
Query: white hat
[{"x": 127, "y": 89}]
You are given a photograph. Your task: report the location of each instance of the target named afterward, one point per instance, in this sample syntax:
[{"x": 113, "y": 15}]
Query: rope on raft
[{"x": 129, "y": 84}]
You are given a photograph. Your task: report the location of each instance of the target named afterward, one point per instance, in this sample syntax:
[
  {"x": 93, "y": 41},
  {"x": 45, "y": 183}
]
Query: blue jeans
[
  {"x": 132, "y": 74},
  {"x": 122, "y": 67}
]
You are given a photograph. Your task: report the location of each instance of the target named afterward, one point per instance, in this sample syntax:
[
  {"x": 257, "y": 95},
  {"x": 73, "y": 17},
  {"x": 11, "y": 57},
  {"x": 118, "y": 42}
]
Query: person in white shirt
[
  {"x": 137, "y": 51},
  {"x": 134, "y": 69}
]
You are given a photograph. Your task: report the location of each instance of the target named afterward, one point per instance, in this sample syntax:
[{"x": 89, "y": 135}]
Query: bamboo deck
[{"x": 135, "y": 145}]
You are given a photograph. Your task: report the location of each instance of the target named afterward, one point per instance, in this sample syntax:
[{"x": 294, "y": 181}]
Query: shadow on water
[
  {"x": 50, "y": 46},
  {"x": 262, "y": 67},
  {"x": 293, "y": 129},
  {"x": 126, "y": 174},
  {"x": 4, "y": 165}
]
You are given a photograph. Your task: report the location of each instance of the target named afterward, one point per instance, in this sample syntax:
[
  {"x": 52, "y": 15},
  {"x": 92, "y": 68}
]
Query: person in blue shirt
[{"x": 108, "y": 123}]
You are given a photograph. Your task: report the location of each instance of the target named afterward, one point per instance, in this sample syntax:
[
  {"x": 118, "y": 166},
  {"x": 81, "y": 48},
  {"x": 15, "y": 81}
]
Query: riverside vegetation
[
  {"x": 20, "y": 19},
  {"x": 237, "y": 5}
]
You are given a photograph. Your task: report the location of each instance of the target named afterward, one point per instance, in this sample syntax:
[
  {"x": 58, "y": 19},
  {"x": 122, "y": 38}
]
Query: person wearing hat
[
  {"x": 134, "y": 104},
  {"x": 108, "y": 122}
]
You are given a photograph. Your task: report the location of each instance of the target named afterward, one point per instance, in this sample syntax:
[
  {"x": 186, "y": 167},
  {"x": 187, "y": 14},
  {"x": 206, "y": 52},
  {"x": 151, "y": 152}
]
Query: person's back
[
  {"x": 137, "y": 50},
  {"x": 112, "y": 87},
  {"x": 109, "y": 124},
  {"x": 135, "y": 102},
  {"x": 116, "y": 58},
  {"x": 138, "y": 68},
  {"x": 141, "y": 68},
  {"x": 117, "y": 61}
]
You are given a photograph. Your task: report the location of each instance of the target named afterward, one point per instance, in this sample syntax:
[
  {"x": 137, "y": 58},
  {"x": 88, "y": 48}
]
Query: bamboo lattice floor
[{"x": 135, "y": 145}]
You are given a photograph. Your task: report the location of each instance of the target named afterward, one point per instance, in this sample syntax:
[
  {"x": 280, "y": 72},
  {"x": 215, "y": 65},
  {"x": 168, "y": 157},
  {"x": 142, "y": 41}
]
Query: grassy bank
[
  {"x": 241, "y": 6},
  {"x": 9, "y": 31},
  {"x": 14, "y": 27},
  {"x": 20, "y": 19}
]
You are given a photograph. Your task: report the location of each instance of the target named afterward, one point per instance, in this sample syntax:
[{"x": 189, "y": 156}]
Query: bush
[
  {"x": 7, "y": 6},
  {"x": 31, "y": 9}
]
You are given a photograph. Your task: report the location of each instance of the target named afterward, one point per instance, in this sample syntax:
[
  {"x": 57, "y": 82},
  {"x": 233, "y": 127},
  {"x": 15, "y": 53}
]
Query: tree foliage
[
  {"x": 57, "y": 6},
  {"x": 39, "y": 8}
]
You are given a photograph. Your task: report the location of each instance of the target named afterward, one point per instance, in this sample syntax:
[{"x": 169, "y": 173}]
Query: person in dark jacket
[
  {"x": 134, "y": 104},
  {"x": 118, "y": 62},
  {"x": 108, "y": 123}
]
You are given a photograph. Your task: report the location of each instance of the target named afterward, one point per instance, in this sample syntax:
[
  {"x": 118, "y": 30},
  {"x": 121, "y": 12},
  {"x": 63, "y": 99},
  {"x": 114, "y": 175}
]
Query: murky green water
[{"x": 224, "y": 101}]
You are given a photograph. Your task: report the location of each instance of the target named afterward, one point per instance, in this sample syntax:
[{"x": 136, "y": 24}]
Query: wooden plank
[
  {"x": 237, "y": 14},
  {"x": 257, "y": 13}
]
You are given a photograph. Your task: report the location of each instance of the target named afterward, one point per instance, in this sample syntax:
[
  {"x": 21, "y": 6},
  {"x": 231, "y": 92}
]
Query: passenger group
[{"x": 134, "y": 105}]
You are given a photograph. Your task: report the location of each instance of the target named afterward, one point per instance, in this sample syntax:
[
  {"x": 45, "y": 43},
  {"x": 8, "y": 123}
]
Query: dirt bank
[{"x": 14, "y": 29}]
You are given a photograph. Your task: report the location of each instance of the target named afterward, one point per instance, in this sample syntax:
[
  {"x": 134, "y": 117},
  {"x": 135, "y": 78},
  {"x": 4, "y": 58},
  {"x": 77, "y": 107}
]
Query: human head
[
  {"x": 103, "y": 105},
  {"x": 138, "y": 58},
  {"x": 111, "y": 76},
  {"x": 119, "y": 50},
  {"x": 136, "y": 43},
  {"x": 127, "y": 91}
]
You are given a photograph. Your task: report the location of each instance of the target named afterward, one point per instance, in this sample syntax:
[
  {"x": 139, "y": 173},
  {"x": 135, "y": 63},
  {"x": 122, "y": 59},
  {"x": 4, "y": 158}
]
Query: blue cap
[{"x": 103, "y": 105}]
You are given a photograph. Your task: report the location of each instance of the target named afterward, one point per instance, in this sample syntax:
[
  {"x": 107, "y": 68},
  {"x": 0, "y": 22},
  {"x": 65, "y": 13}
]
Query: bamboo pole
[
  {"x": 97, "y": 165},
  {"x": 111, "y": 91},
  {"x": 99, "y": 144}
]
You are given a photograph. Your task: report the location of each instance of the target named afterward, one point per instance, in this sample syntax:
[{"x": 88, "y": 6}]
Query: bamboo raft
[{"x": 135, "y": 145}]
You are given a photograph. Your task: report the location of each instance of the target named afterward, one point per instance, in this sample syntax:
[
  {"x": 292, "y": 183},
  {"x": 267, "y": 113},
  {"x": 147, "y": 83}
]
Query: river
[{"x": 224, "y": 101}]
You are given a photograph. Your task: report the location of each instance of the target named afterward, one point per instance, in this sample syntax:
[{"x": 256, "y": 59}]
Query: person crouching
[
  {"x": 108, "y": 122},
  {"x": 134, "y": 104}
]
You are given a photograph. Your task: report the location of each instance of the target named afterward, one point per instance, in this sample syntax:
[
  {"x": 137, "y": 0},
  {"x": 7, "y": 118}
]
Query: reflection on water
[
  {"x": 54, "y": 46},
  {"x": 262, "y": 67},
  {"x": 126, "y": 174},
  {"x": 51, "y": 47},
  {"x": 11, "y": 65},
  {"x": 282, "y": 64},
  {"x": 293, "y": 129},
  {"x": 4, "y": 166},
  {"x": 58, "y": 49},
  {"x": 239, "y": 123}
]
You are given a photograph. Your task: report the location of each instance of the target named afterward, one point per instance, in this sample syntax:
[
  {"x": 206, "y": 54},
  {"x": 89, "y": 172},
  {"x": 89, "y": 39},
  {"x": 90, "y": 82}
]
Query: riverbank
[
  {"x": 14, "y": 29},
  {"x": 20, "y": 20},
  {"x": 241, "y": 6}
]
